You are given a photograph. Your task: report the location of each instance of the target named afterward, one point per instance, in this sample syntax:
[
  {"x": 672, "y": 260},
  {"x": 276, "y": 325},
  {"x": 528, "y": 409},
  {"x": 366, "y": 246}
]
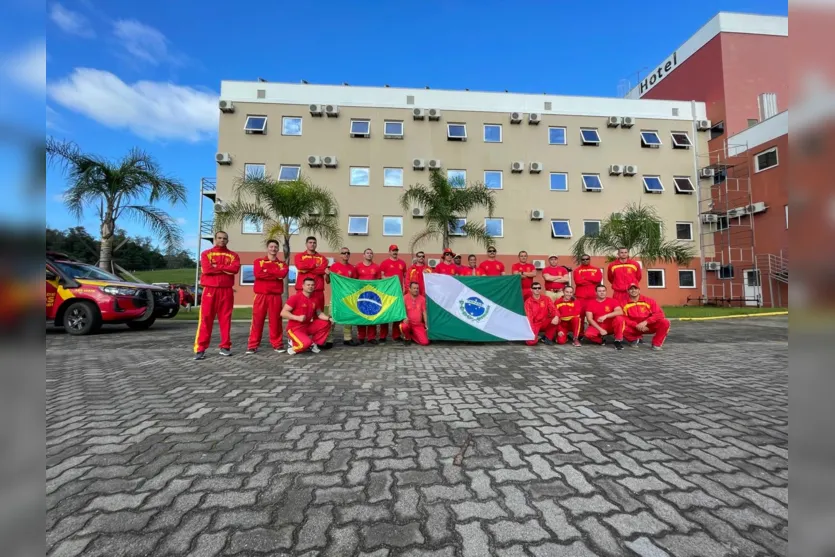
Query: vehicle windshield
[{"x": 84, "y": 271}]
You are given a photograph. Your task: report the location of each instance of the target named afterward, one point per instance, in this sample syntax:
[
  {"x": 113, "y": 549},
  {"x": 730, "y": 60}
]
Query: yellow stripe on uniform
[
  {"x": 294, "y": 339},
  {"x": 199, "y": 324}
]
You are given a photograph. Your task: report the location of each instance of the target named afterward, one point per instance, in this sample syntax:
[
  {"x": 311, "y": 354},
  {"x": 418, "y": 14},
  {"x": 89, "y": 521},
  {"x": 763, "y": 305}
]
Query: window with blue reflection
[
  {"x": 494, "y": 227},
  {"x": 556, "y": 136},
  {"x": 592, "y": 182},
  {"x": 493, "y": 179},
  {"x": 559, "y": 181}
]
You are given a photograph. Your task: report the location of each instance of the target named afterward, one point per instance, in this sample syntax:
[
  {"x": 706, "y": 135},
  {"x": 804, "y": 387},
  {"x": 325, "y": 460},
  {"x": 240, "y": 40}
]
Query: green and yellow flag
[{"x": 366, "y": 302}]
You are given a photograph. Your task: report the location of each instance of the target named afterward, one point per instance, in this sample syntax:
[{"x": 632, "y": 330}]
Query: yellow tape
[{"x": 764, "y": 314}]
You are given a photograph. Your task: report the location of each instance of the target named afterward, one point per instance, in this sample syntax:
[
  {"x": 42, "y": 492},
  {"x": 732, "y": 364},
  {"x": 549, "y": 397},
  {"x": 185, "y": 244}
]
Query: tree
[
  {"x": 639, "y": 229},
  {"x": 443, "y": 202},
  {"x": 283, "y": 208},
  {"x": 129, "y": 187}
]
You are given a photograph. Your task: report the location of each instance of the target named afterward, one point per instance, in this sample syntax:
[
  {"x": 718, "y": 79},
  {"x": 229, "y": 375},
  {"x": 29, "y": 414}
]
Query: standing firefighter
[
  {"x": 393, "y": 267},
  {"x": 218, "y": 266},
  {"x": 269, "y": 274}
]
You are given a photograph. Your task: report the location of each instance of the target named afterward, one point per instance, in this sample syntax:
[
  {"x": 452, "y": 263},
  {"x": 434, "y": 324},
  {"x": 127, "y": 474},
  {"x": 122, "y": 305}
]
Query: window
[
  {"x": 393, "y": 177},
  {"x": 720, "y": 174},
  {"x": 726, "y": 272},
  {"x": 752, "y": 122},
  {"x": 357, "y": 226},
  {"x": 591, "y": 182},
  {"x": 291, "y": 125},
  {"x": 360, "y": 128},
  {"x": 254, "y": 171},
  {"x": 717, "y": 130},
  {"x": 289, "y": 173},
  {"x": 393, "y": 130},
  {"x": 457, "y": 229},
  {"x": 247, "y": 275},
  {"x": 655, "y": 278},
  {"x": 590, "y": 136},
  {"x": 251, "y": 225},
  {"x": 457, "y": 178},
  {"x": 360, "y": 176},
  {"x": 787, "y": 216},
  {"x": 256, "y": 124},
  {"x": 591, "y": 227},
  {"x": 292, "y": 274},
  {"x": 293, "y": 225},
  {"x": 681, "y": 140},
  {"x": 492, "y": 133},
  {"x": 683, "y": 184},
  {"x": 766, "y": 159},
  {"x": 556, "y": 136},
  {"x": 560, "y": 229},
  {"x": 686, "y": 278},
  {"x": 652, "y": 184},
  {"x": 495, "y": 227},
  {"x": 684, "y": 231},
  {"x": 493, "y": 179},
  {"x": 456, "y": 132},
  {"x": 559, "y": 181},
  {"x": 650, "y": 139},
  {"x": 392, "y": 226},
  {"x": 722, "y": 223}
]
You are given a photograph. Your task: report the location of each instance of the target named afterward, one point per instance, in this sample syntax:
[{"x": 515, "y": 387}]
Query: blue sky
[{"x": 147, "y": 74}]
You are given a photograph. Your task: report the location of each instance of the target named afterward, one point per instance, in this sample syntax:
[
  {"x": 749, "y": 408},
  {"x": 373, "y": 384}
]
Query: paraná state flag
[
  {"x": 366, "y": 302},
  {"x": 477, "y": 309}
]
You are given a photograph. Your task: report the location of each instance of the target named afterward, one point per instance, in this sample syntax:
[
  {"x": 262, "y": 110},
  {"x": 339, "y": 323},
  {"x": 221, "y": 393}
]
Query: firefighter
[
  {"x": 416, "y": 325},
  {"x": 621, "y": 273},
  {"x": 542, "y": 316},
  {"x": 307, "y": 325},
  {"x": 269, "y": 274},
  {"x": 571, "y": 321},
  {"x": 393, "y": 267},
  {"x": 643, "y": 316},
  {"x": 218, "y": 266},
  {"x": 605, "y": 317}
]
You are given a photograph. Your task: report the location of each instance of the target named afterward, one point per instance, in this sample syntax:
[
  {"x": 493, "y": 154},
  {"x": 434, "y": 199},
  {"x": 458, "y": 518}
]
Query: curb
[{"x": 744, "y": 315}]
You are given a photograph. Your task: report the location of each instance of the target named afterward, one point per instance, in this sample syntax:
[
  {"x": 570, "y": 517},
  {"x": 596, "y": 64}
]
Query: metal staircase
[{"x": 774, "y": 266}]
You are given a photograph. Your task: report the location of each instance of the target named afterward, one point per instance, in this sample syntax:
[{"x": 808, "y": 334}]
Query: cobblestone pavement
[{"x": 574, "y": 452}]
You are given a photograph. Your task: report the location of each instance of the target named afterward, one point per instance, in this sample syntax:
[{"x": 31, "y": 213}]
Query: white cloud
[
  {"x": 58, "y": 198},
  {"x": 71, "y": 22},
  {"x": 150, "y": 109},
  {"x": 28, "y": 68},
  {"x": 142, "y": 41},
  {"x": 181, "y": 220}
]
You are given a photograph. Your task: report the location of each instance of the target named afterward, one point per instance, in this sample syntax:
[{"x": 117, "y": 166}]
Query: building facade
[{"x": 548, "y": 158}]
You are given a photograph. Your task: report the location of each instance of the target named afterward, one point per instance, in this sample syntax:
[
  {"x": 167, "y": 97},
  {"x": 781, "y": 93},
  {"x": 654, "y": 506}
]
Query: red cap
[
  {"x": 393, "y": 247},
  {"x": 635, "y": 284},
  {"x": 449, "y": 251}
]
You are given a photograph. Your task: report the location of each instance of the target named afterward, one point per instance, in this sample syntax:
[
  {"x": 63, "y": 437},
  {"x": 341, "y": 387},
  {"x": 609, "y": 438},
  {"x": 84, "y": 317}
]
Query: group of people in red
[{"x": 556, "y": 317}]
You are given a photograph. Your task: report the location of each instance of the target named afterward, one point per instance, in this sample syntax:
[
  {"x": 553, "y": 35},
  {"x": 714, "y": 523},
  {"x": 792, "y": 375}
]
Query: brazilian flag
[{"x": 366, "y": 302}]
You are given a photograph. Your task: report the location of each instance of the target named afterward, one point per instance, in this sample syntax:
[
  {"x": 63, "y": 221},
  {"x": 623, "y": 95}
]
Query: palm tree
[
  {"x": 443, "y": 202},
  {"x": 129, "y": 187},
  {"x": 639, "y": 229},
  {"x": 284, "y": 208}
]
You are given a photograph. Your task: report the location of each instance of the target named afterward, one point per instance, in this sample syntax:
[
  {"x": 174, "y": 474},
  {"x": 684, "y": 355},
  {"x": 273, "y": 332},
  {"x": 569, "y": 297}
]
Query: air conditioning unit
[
  {"x": 613, "y": 121},
  {"x": 418, "y": 164},
  {"x": 515, "y": 117},
  {"x": 433, "y": 262},
  {"x": 315, "y": 109},
  {"x": 434, "y": 164},
  {"x": 757, "y": 207},
  {"x": 706, "y": 173},
  {"x": 517, "y": 166},
  {"x": 314, "y": 213},
  {"x": 535, "y": 167},
  {"x": 331, "y": 110},
  {"x": 226, "y": 106},
  {"x": 534, "y": 118},
  {"x": 417, "y": 213},
  {"x": 627, "y": 122},
  {"x": 537, "y": 214},
  {"x": 314, "y": 160},
  {"x": 630, "y": 170},
  {"x": 713, "y": 266},
  {"x": 538, "y": 264},
  {"x": 615, "y": 169},
  {"x": 418, "y": 113},
  {"x": 703, "y": 125},
  {"x": 434, "y": 113},
  {"x": 223, "y": 158},
  {"x": 330, "y": 161},
  {"x": 737, "y": 212},
  {"x": 709, "y": 218}
]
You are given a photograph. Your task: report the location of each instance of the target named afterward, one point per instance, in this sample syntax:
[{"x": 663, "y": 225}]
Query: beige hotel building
[{"x": 558, "y": 165}]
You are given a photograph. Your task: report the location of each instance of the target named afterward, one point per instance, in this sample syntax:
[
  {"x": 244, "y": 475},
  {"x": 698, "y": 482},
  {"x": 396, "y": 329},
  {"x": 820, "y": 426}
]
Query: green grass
[
  {"x": 176, "y": 276},
  {"x": 678, "y": 311},
  {"x": 237, "y": 313}
]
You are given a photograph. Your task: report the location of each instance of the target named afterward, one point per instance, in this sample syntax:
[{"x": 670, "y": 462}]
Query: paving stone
[
  {"x": 640, "y": 485},
  {"x": 393, "y": 535},
  {"x": 645, "y": 548},
  {"x": 229, "y": 499},
  {"x": 180, "y": 540},
  {"x": 209, "y": 545},
  {"x": 506, "y": 531},
  {"x": 687, "y": 499},
  {"x": 669, "y": 514},
  {"x": 406, "y": 505},
  {"x": 628, "y": 525},
  {"x": 584, "y": 505},
  {"x": 726, "y": 534},
  {"x": 445, "y": 493},
  {"x": 512, "y": 475},
  {"x": 487, "y": 510},
  {"x": 514, "y": 500},
  {"x": 313, "y": 532},
  {"x": 744, "y": 518},
  {"x": 767, "y": 504},
  {"x": 512, "y": 551},
  {"x": 118, "y": 502},
  {"x": 693, "y": 545},
  {"x": 123, "y": 545},
  {"x": 65, "y": 527},
  {"x": 438, "y": 523},
  {"x": 71, "y": 547},
  {"x": 261, "y": 540},
  {"x": 480, "y": 484},
  {"x": 600, "y": 536},
  {"x": 340, "y": 495},
  {"x": 576, "y": 549},
  {"x": 474, "y": 540},
  {"x": 363, "y": 513},
  {"x": 111, "y": 523},
  {"x": 448, "y": 551},
  {"x": 556, "y": 520},
  {"x": 243, "y": 519},
  {"x": 418, "y": 477}
]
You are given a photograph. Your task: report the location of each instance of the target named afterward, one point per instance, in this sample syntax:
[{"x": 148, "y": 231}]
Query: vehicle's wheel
[
  {"x": 82, "y": 318},
  {"x": 141, "y": 325}
]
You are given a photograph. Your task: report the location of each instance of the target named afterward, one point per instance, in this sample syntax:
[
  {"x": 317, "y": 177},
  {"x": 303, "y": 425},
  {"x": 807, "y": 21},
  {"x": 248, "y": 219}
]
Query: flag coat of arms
[
  {"x": 476, "y": 309},
  {"x": 366, "y": 302}
]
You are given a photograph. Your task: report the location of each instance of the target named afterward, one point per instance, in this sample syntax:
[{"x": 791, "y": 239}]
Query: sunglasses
[
  {"x": 536, "y": 288},
  {"x": 421, "y": 256},
  {"x": 585, "y": 259},
  {"x": 345, "y": 253},
  {"x": 491, "y": 251}
]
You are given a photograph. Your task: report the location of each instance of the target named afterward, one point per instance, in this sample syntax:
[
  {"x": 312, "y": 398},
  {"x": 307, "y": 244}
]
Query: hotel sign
[{"x": 660, "y": 73}]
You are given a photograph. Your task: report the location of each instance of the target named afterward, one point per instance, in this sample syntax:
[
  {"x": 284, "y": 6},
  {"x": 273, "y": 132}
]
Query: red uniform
[
  {"x": 491, "y": 268},
  {"x": 415, "y": 274},
  {"x": 413, "y": 327},
  {"x": 613, "y": 325},
  {"x": 621, "y": 274},
  {"x": 367, "y": 272},
  {"x": 269, "y": 286},
  {"x": 344, "y": 270},
  {"x": 570, "y": 320},
  {"x": 586, "y": 279},
  {"x": 312, "y": 330},
  {"x": 519, "y": 267},
  {"x": 313, "y": 266},
  {"x": 540, "y": 314},
  {"x": 645, "y": 309},
  {"x": 446, "y": 268},
  {"x": 464, "y": 271},
  {"x": 554, "y": 271},
  {"x": 218, "y": 269},
  {"x": 393, "y": 268}
]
